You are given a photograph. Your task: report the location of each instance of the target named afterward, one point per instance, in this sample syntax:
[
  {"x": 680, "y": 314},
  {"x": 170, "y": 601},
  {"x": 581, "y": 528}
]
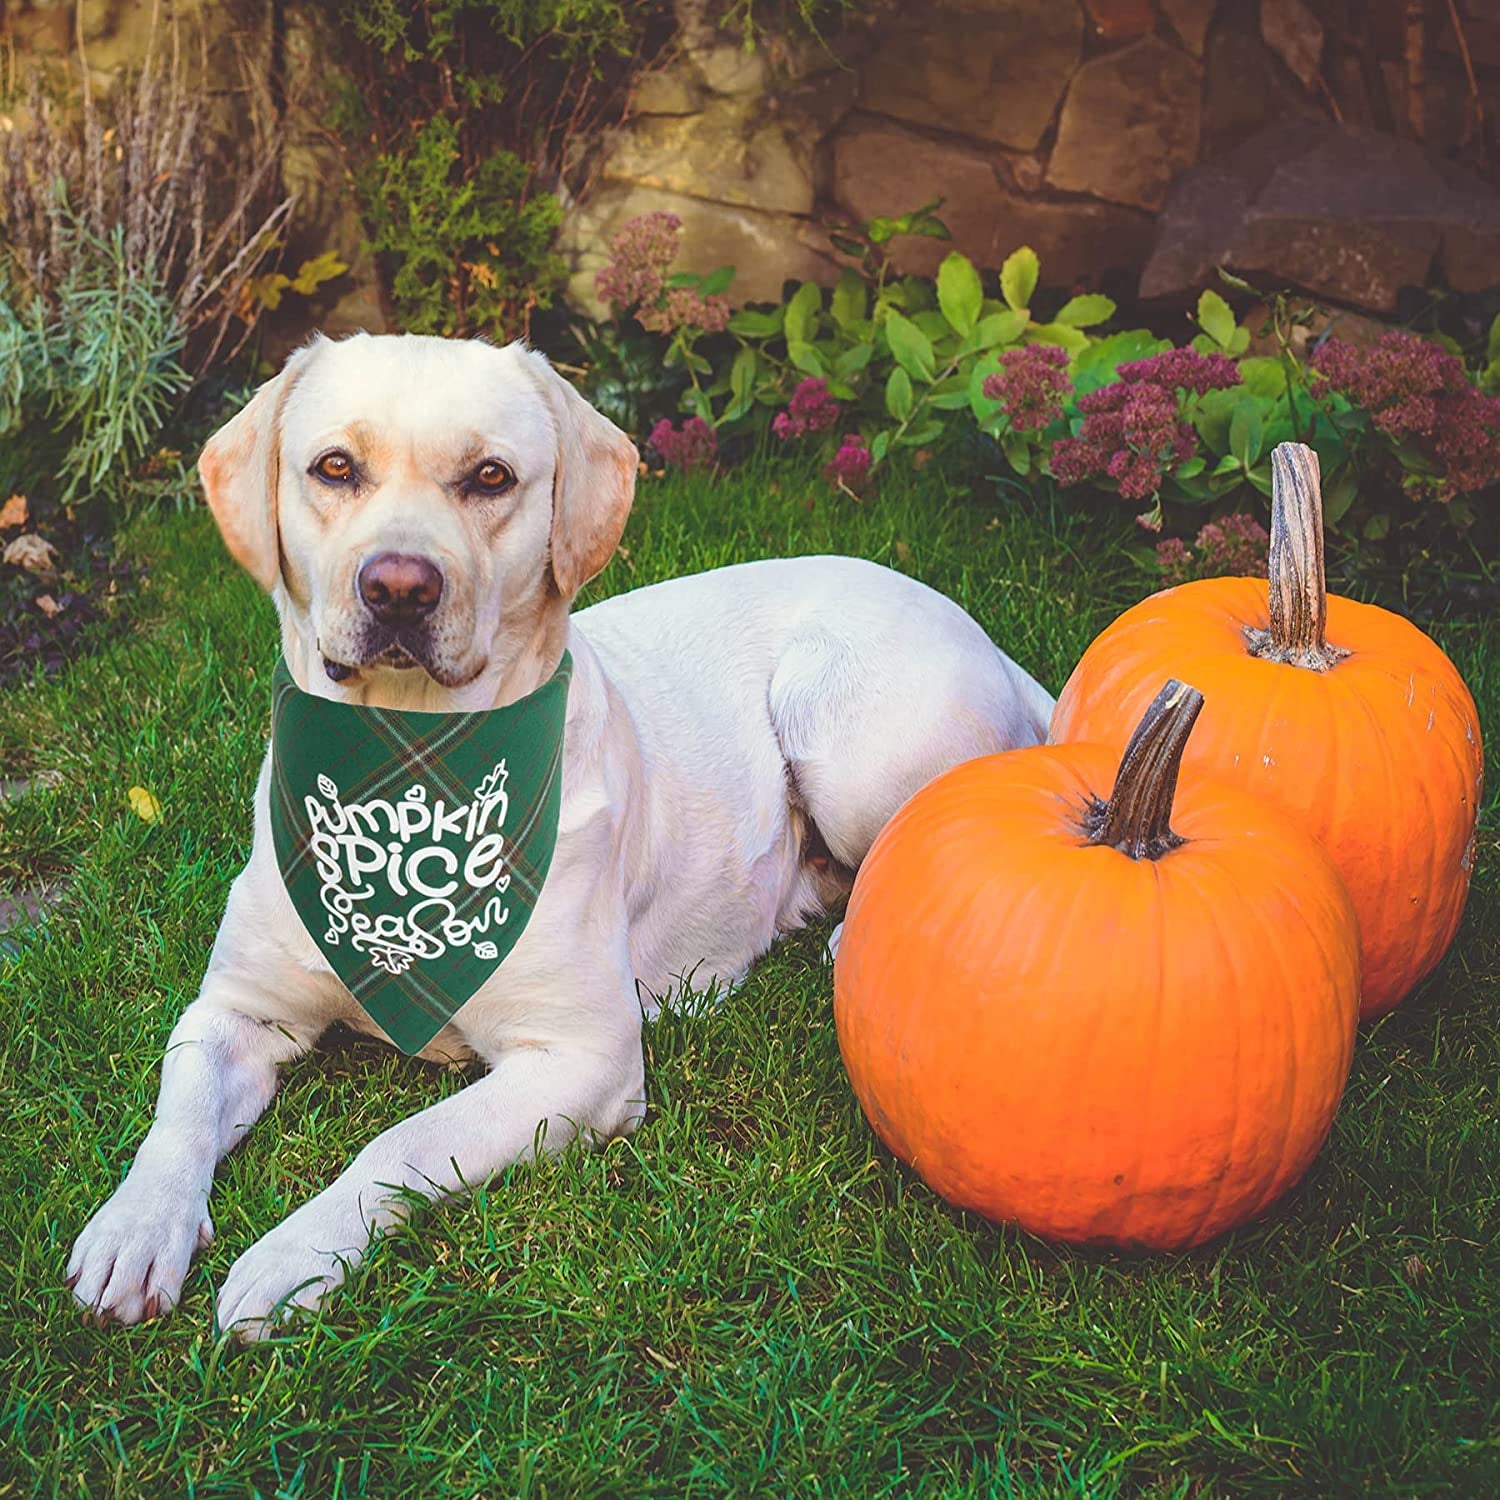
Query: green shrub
[
  {"x": 137, "y": 252},
  {"x": 461, "y": 119},
  {"x": 89, "y": 384},
  {"x": 457, "y": 120},
  {"x": 1409, "y": 438},
  {"x": 201, "y": 210},
  {"x": 463, "y": 250},
  {"x": 905, "y": 351}
]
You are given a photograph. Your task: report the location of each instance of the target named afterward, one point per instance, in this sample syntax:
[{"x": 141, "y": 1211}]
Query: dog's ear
[
  {"x": 592, "y": 487},
  {"x": 240, "y": 467}
]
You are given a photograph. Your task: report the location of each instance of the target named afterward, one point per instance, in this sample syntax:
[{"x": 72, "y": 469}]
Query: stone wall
[
  {"x": 1115, "y": 136},
  {"x": 1065, "y": 124}
]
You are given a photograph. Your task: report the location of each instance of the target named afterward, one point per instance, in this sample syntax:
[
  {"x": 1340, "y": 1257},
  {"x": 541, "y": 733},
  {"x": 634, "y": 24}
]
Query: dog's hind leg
[{"x": 864, "y": 726}]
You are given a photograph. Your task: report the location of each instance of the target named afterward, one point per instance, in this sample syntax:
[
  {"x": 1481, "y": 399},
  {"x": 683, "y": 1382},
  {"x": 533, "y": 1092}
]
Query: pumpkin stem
[
  {"x": 1137, "y": 818},
  {"x": 1298, "y": 587}
]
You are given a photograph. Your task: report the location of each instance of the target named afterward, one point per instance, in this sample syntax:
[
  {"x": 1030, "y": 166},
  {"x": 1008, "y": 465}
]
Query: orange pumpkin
[
  {"x": 1125, "y": 1021},
  {"x": 1346, "y": 715}
]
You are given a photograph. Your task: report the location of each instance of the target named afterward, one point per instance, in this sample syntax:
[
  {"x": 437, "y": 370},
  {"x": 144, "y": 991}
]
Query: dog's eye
[
  {"x": 492, "y": 477},
  {"x": 335, "y": 467}
]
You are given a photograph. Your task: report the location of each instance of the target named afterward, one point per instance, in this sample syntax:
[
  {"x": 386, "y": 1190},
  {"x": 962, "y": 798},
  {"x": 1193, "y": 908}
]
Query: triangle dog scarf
[{"x": 414, "y": 845}]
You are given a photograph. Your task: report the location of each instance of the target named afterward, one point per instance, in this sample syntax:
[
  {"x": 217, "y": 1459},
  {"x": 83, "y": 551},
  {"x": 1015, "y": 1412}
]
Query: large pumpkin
[
  {"x": 1109, "y": 1015},
  {"x": 1346, "y": 715}
]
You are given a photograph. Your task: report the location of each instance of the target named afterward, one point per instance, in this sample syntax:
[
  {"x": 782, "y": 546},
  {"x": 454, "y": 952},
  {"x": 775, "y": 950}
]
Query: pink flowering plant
[
  {"x": 1022, "y": 401},
  {"x": 1408, "y": 434},
  {"x": 638, "y": 281},
  {"x": 1137, "y": 432},
  {"x": 849, "y": 468},
  {"x": 895, "y": 356},
  {"x": 693, "y": 445},
  {"x": 1437, "y": 429},
  {"x": 811, "y": 409},
  {"x": 1235, "y": 546},
  {"x": 639, "y": 284},
  {"x": 883, "y": 365},
  {"x": 1121, "y": 414},
  {"x": 1162, "y": 427}
]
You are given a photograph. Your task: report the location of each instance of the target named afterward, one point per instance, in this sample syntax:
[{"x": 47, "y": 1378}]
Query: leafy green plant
[
  {"x": 464, "y": 250},
  {"x": 883, "y": 363},
  {"x": 1221, "y": 333},
  {"x": 87, "y": 389},
  {"x": 456, "y": 119},
  {"x": 201, "y": 208},
  {"x": 622, "y": 373},
  {"x": 942, "y": 361},
  {"x": 903, "y": 351},
  {"x": 1489, "y": 378}
]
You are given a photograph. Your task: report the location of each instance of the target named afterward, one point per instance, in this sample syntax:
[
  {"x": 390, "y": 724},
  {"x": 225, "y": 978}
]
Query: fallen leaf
[
  {"x": 903, "y": 552},
  {"x": 13, "y": 512},
  {"x": 144, "y": 804},
  {"x": 32, "y": 552},
  {"x": 48, "y": 606}
]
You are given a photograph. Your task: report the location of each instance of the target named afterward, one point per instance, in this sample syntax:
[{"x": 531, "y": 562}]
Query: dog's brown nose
[{"x": 398, "y": 588}]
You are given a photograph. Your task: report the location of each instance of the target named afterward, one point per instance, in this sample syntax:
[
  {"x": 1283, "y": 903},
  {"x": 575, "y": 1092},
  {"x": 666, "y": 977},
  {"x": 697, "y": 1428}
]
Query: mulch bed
[{"x": 52, "y": 612}]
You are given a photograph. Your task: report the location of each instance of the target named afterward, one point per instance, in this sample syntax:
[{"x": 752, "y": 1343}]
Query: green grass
[{"x": 749, "y": 1296}]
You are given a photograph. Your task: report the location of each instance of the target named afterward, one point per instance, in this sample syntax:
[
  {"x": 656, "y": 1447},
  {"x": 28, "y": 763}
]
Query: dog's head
[{"x": 419, "y": 506}]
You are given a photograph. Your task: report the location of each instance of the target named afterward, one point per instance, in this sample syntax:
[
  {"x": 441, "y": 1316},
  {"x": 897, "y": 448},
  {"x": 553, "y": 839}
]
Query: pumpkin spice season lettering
[{"x": 426, "y": 855}]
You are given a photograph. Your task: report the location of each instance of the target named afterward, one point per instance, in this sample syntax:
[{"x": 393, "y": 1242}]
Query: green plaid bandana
[{"x": 414, "y": 845}]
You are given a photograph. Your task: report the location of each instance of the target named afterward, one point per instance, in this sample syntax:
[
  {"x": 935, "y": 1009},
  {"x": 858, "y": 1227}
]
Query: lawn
[{"x": 749, "y": 1296}]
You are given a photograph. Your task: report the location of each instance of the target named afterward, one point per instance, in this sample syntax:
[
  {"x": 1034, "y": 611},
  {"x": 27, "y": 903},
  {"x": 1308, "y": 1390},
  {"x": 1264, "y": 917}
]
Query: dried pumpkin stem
[
  {"x": 1298, "y": 588},
  {"x": 1137, "y": 819}
]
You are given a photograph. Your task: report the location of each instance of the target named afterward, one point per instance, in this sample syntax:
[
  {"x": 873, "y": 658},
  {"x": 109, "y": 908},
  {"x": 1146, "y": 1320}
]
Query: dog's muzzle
[{"x": 399, "y": 592}]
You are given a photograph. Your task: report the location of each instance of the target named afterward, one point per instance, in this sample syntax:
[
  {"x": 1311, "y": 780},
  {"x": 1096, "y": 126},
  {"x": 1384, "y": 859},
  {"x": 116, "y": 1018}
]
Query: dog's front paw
[
  {"x": 129, "y": 1263},
  {"x": 295, "y": 1266}
]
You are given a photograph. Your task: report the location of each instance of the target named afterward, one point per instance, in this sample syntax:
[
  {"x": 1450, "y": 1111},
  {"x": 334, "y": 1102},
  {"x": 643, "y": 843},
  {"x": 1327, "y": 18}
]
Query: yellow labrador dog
[{"x": 423, "y": 511}]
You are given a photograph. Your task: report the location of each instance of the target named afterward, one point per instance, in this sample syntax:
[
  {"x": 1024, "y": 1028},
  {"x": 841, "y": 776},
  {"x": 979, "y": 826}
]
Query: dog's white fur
[{"x": 717, "y": 727}]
